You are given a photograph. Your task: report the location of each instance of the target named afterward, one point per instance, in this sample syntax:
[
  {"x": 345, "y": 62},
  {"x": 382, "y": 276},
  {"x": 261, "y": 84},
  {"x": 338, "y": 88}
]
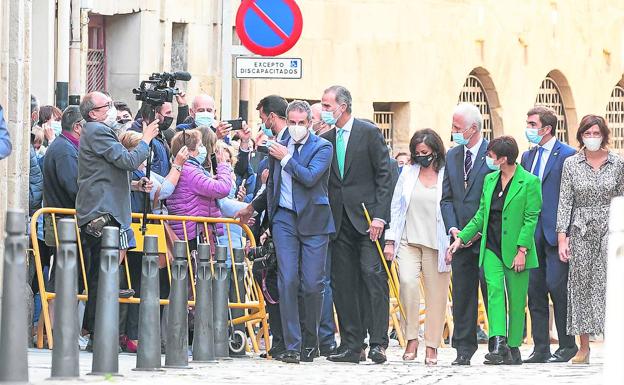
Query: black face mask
[
  {"x": 424, "y": 160},
  {"x": 163, "y": 126}
]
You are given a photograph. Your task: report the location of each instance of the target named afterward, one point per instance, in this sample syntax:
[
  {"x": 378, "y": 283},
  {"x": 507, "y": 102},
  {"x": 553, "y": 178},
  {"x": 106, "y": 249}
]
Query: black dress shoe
[
  {"x": 309, "y": 354},
  {"x": 564, "y": 354},
  {"x": 327, "y": 350},
  {"x": 516, "y": 357},
  {"x": 461, "y": 360},
  {"x": 499, "y": 352},
  {"x": 347, "y": 355},
  {"x": 378, "y": 354},
  {"x": 537, "y": 358},
  {"x": 291, "y": 357}
]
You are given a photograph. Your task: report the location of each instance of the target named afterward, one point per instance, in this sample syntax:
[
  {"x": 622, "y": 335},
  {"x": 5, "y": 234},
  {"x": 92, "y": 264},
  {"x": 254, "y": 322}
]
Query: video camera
[{"x": 159, "y": 89}]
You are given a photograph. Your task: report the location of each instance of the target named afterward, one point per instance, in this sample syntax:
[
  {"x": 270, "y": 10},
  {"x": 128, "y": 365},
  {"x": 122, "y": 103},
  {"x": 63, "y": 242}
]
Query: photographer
[
  {"x": 104, "y": 185},
  {"x": 160, "y": 147}
]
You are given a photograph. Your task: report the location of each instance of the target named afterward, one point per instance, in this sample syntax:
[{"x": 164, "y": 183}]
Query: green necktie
[{"x": 340, "y": 151}]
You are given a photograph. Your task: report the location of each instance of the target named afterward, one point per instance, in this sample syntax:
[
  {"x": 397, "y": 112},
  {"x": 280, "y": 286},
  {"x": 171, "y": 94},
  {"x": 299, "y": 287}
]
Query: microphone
[{"x": 182, "y": 75}]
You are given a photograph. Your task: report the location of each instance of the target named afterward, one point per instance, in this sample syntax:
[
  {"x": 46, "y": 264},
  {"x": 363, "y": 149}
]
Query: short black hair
[
  {"x": 273, "y": 103},
  {"x": 71, "y": 115},
  {"x": 505, "y": 146},
  {"x": 433, "y": 141},
  {"x": 122, "y": 106}
]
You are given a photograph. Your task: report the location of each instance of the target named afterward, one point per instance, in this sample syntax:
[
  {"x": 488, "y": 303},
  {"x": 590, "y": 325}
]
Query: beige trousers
[{"x": 415, "y": 261}]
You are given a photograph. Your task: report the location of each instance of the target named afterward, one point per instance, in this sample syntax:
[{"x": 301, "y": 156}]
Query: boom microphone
[{"x": 182, "y": 75}]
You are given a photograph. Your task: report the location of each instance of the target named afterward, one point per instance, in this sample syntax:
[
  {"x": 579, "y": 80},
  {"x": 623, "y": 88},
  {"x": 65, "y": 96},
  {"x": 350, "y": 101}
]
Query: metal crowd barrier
[{"x": 252, "y": 304}]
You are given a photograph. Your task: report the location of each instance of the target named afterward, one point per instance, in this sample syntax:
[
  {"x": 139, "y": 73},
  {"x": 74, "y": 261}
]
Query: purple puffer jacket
[{"x": 196, "y": 194}]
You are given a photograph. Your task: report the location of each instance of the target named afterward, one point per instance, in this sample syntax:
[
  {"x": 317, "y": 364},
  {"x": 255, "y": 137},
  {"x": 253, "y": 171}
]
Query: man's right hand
[
  {"x": 150, "y": 131},
  {"x": 223, "y": 129},
  {"x": 389, "y": 251},
  {"x": 244, "y": 215}
]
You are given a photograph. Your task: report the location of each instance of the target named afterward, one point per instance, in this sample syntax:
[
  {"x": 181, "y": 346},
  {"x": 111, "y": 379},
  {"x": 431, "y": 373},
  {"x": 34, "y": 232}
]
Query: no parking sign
[{"x": 269, "y": 27}]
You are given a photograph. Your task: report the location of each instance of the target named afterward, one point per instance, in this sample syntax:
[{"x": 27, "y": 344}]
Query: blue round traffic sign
[{"x": 269, "y": 27}]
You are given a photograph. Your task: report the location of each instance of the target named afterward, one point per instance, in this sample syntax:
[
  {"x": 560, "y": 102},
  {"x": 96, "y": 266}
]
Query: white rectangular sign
[{"x": 268, "y": 68}]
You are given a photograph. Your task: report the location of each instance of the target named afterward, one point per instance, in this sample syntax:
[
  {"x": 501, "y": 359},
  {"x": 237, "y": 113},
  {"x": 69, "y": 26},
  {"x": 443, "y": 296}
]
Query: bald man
[{"x": 202, "y": 113}]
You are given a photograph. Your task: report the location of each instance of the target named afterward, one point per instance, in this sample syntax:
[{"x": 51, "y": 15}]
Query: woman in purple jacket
[{"x": 197, "y": 190}]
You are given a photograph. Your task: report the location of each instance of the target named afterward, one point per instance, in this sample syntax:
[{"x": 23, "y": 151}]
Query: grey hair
[
  {"x": 71, "y": 115},
  {"x": 343, "y": 96},
  {"x": 301, "y": 106},
  {"x": 86, "y": 106},
  {"x": 471, "y": 113}
]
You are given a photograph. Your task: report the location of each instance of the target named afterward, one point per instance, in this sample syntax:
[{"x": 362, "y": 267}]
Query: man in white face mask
[{"x": 297, "y": 203}]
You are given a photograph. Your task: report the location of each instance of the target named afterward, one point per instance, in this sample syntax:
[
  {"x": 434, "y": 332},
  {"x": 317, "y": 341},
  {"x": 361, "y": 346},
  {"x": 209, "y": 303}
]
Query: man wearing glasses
[{"x": 104, "y": 185}]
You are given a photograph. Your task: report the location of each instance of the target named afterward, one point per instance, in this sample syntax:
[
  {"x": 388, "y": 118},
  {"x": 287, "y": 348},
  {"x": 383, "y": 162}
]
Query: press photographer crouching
[
  {"x": 297, "y": 204},
  {"x": 103, "y": 196}
]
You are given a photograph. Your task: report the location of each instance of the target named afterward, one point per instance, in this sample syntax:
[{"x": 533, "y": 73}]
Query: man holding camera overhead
[{"x": 297, "y": 203}]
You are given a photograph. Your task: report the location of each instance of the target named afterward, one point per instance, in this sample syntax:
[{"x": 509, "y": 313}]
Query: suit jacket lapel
[
  {"x": 517, "y": 183},
  {"x": 354, "y": 138},
  {"x": 552, "y": 159},
  {"x": 459, "y": 158},
  {"x": 479, "y": 162},
  {"x": 331, "y": 136},
  {"x": 531, "y": 159}
]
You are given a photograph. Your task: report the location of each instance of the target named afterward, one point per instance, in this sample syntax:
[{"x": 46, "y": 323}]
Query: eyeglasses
[{"x": 109, "y": 105}]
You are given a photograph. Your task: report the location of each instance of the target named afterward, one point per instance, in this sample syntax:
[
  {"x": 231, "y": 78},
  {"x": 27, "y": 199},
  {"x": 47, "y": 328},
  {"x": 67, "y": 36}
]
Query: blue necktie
[{"x": 538, "y": 164}]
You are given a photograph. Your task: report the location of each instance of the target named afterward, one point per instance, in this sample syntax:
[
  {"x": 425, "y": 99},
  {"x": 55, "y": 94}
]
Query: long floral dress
[{"x": 583, "y": 214}]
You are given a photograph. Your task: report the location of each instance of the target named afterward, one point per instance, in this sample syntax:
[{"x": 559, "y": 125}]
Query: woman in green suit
[{"x": 510, "y": 205}]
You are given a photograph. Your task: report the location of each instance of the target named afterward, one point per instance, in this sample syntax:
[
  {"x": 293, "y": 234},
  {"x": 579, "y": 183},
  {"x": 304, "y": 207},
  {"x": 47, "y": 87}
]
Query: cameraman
[
  {"x": 160, "y": 147},
  {"x": 301, "y": 219},
  {"x": 104, "y": 185}
]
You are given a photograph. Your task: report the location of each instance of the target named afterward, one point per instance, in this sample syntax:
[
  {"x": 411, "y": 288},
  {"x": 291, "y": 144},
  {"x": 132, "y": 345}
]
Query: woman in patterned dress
[{"x": 590, "y": 179}]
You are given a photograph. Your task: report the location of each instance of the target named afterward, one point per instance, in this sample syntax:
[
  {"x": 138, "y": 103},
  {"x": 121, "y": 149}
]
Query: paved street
[{"x": 259, "y": 371}]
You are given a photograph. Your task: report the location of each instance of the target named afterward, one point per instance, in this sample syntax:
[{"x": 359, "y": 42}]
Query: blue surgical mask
[
  {"x": 266, "y": 130},
  {"x": 490, "y": 163},
  {"x": 201, "y": 157},
  {"x": 56, "y": 127},
  {"x": 458, "y": 137},
  {"x": 328, "y": 116},
  {"x": 204, "y": 118},
  {"x": 533, "y": 136}
]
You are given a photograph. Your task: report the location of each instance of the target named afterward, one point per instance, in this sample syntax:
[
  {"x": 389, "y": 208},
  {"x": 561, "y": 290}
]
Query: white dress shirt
[{"x": 548, "y": 147}]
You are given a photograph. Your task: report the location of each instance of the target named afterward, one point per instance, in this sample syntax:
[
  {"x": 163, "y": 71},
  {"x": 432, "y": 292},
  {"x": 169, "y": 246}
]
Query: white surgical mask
[
  {"x": 56, "y": 127},
  {"x": 111, "y": 117},
  {"x": 298, "y": 133},
  {"x": 592, "y": 144}
]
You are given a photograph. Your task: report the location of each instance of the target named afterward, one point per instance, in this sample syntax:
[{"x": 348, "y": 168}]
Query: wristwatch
[
  {"x": 523, "y": 251},
  {"x": 179, "y": 168}
]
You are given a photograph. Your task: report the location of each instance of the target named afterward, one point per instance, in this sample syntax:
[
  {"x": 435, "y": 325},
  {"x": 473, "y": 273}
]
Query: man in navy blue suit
[
  {"x": 297, "y": 203},
  {"x": 461, "y": 193},
  {"x": 545, "y": 160}
]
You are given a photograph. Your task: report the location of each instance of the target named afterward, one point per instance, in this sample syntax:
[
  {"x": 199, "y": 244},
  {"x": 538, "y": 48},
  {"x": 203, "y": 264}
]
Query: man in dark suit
[
  {"x": 461, "y": 193},
  {"x": 297, "y": 204},
  {"x": 545, "y": 160},
  {"x": 360, "y": 173}
]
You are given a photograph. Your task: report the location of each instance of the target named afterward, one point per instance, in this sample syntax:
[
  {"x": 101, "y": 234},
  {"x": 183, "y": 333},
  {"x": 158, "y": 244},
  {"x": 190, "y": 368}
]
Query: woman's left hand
[{"x": 519, "y": 262}]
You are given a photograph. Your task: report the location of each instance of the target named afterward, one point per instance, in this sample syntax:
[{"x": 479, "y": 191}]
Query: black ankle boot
[
  {"x": 499, "y": 352},
  {"x": 516, "y": 358}
]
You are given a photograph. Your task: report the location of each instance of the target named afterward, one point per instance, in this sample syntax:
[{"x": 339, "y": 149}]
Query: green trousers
[{"x": 498, "y": 277}]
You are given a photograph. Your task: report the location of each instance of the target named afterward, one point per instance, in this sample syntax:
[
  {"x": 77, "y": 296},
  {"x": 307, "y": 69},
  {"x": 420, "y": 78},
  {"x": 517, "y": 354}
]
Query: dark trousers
[
  {"x": 465, "y": 279},
  {"x": 91, "y": 248},
  {"x": 356, "y": 266},
  {"x": 130, "y": 323},
  {"x": 551, "y": 277},
  {"x": 300, "y": 269}
]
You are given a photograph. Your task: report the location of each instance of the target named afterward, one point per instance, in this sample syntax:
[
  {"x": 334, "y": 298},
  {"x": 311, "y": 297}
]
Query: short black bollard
[
  {"x": 203, "y": 338},
  {"x": 176, "y": 351},
  {"x": 238, "y": 341},
  {"x": 14, "y": 328},
  {"x": 106, "y": 331},
  {"x": 148, "y": 352},
  {"x": 220, "y": 293},
  {"x": 66, "y": 351}
]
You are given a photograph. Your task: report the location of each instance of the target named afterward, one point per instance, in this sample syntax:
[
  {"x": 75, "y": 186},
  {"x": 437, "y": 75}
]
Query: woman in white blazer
[{"x": 418, "y": 240}]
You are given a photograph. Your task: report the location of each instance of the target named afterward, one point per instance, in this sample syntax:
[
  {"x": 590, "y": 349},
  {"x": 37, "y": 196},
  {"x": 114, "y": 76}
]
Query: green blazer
[{"x": 520, "y": 214}]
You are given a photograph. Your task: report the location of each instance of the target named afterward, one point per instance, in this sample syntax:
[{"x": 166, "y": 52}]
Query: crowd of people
[{"x": 530, "y": 225}]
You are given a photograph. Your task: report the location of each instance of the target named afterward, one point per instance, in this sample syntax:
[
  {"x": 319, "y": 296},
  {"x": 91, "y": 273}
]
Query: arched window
[
  {"x": 474, "y": 92},
  {"x": 550, "y": 96},
  {"x": 615, "y": 117}
]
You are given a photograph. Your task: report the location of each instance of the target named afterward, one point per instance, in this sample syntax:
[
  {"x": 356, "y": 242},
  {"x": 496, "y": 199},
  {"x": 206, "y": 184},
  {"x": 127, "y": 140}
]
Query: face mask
[
  {"x": 56, "y": 127},
  {"x": 266, "y": 130},
  {"x": 111, "y": 117},
  {"x": 164, "y": 125},
  {"x": 424, "y": 160},
  {"x": 201, "y": 157},
  {"x": 592, "y": 144},
  {"x": 298, "y": 133},
  {"x": 490, "y": 163},
  {"x": 328, "y": 116},
  {"x": 533, "y": 136},
  {"x": 204, "y": 118},
  {"x": 458, "y": 137}
]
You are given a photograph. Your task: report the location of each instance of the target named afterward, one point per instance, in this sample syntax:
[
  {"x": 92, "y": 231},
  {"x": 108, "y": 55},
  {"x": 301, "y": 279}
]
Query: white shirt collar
[
  {"x": 348, "y": 126},
  {"x": 548, "y": 146},
  {"x": 280, "y": 135},
  {"x": 474, "y": 149}
]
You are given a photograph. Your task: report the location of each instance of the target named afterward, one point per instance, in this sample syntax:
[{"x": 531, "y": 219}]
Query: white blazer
[{"x": 398, "y": 210}]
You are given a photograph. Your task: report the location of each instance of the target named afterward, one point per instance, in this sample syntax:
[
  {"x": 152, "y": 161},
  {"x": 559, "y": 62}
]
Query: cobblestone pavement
[{"x": 259, "y": 371}]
